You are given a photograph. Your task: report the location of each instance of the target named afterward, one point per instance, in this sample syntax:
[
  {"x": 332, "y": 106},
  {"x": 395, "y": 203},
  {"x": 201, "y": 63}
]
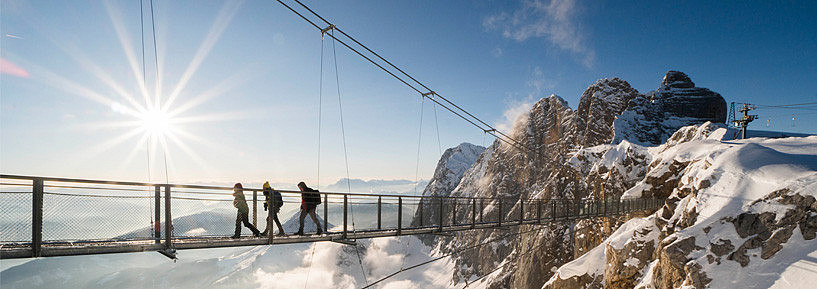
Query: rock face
[
  {"x": 573, "y": 156},
  {"x": 730, "y": 210},
  {"x": 450, "y": 168},
  {"x": 650, "y": 119}
]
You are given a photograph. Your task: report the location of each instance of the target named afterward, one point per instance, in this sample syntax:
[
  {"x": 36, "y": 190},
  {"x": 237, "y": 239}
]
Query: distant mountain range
[{"x": 378, "y": 186}]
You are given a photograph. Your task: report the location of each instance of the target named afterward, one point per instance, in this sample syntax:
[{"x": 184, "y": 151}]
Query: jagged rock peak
[
  {"x": 677, "y": 79},
  {"x": 598, "y": 107},
  {"x": 450, "y": 168},
  {"x": 653, "y": 118},
  {"x": 447, "y": 176}
]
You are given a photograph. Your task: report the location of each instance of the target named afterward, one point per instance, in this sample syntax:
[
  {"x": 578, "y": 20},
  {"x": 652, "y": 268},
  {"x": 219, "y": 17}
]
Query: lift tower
[{"x": 744, "y": 122}]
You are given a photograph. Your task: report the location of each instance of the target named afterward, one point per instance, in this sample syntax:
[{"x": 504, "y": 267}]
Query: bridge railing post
[
  {"x": 473, "y": 213},
  {"x": 255, "y": 208},
  {"x": 399, "y": 215},
  {"x": 421, "y": 211},
  {"x": 325, "y": 213},
  {"x": 567, "y": 209},
  {"x": 499, "y": 218},
  {"x": 539, "y": 211},
  {"x": 37, "y": 217},
  {"x": 345, "y": 214},
  {"x": 521, "y": 210},
  {"x": 441, "y": 213},
  {"x": 552, "y": 210},
  {"x": 379, "y": 220},
  {"x": 454, "y": 211},
  {"x": 481, "y": 208},
  {"x": 157, "y": 214},
  {"x": 168, "y": 219}
]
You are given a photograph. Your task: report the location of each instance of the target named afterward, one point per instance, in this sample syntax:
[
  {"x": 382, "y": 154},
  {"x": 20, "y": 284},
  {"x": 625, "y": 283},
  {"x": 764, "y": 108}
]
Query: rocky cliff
[
  {"x": 651, "y": 118},
  {"x": 738, "y": 214},
  {"x": 573, "y": 155},
  {"x": 447, "y": 175}
]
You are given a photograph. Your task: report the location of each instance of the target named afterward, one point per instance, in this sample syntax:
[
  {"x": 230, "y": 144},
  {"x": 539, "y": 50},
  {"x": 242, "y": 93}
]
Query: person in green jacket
[{"x": 243, "y": 212}]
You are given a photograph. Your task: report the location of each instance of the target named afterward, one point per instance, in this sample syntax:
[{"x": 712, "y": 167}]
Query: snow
[
  {"x": 331, "y": 265},
  {"x": 591, "y": 263},
  {"x": 726, "y": 177},
  {"x": 594, "y": 261}
]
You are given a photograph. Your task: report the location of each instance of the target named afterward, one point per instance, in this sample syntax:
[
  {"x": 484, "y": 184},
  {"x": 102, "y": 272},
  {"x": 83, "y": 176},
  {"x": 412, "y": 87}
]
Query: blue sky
[{"x": 250, "y": 72}]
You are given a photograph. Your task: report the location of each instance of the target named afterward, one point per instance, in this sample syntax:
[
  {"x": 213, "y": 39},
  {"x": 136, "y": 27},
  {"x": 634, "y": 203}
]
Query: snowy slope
[{"x": 739, "y": 214}]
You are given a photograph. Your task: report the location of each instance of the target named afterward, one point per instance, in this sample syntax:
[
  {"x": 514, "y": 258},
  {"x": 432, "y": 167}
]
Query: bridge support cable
[
  {"x": 437, "y": 126},
  {"x": 468, "y": 283},
  {"x": 445, "y": 103},
  {"x": 320, "y": 109},
  {"x": 308, "y": 271},
  {"x": 499, "y": 238},
  {"x": 331, "y": 32},
  {"x": 401, "y": 71}
]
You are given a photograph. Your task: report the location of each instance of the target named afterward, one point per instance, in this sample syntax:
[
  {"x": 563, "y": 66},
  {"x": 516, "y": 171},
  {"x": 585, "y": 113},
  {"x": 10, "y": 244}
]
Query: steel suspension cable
[
  {"x": 419, "y": 141},
  {"x": 437, "y": 125},
  {"x": 484, "y": 126},
  {"x": 416, "y": 175},
  {"x": 345, "y": 153},
  {"x": 503, "y": 265},
  {"x": 449, "y": 254},
  {"x": 147, "y": 101},
  {"x": 320, "y": 109},
  {"x": 403, "y": 72},
  {"x": 308, "y": 271}
]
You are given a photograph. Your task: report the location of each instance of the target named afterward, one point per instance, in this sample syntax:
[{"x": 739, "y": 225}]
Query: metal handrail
[
  {"x": 519, "y": 211},
  {"x": 204, "y": 187}
]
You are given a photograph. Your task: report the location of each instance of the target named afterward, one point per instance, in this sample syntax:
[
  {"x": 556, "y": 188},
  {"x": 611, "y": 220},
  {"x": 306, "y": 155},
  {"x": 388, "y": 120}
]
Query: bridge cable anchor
[{"x": 330, "y": 27}]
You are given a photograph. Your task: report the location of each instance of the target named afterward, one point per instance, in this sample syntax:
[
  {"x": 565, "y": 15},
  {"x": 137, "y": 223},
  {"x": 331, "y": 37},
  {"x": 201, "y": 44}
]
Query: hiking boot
[
  {"x": 319, "y": 231},
  {"x": 281, "y": 234},
  {"x": 235, "y": 236},
  {"x": 300, "y": 232}
]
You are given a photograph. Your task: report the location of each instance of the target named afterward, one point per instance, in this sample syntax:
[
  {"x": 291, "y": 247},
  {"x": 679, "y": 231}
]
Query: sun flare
[{"x": 156, "y": 122}]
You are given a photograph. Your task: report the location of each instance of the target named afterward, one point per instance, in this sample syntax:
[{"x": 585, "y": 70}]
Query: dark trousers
[
  {"x": 244, "y": 218},
  {"x": 272, "y": 216},
  {"x": 308, "y": 210}
]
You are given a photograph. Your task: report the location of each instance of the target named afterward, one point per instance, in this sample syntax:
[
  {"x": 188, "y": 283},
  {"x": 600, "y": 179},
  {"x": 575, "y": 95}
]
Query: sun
[{"x": 156, "y": 122}]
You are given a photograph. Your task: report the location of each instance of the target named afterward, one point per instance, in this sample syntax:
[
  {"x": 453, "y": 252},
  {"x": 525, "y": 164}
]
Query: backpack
[
  {"x": 279, "y": 201},
  {"x": 312, "y": 196}
]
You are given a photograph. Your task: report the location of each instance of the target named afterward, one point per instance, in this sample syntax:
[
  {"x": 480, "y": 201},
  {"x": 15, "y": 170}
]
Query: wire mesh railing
[{"x": 52, "y": 215}]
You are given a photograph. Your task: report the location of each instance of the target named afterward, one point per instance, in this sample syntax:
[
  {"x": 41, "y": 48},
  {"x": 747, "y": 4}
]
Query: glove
[{"x": 265, "y": 206}]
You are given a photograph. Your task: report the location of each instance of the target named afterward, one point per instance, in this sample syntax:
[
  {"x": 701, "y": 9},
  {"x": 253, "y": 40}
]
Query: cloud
[
  {"x": 319, "y": 268},
  {"x": 497, "y": 52},
  {"x": 539, "y": 81},
  {"x": 402, "y": 284},
  {"x": 515, "y": 111},
  {"x": 554, "y": 20},
  {"x": 8, "y": 67}
]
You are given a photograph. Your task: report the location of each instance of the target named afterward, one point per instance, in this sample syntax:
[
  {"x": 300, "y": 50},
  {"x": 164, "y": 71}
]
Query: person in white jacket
[{"x": 243, "y": 212}]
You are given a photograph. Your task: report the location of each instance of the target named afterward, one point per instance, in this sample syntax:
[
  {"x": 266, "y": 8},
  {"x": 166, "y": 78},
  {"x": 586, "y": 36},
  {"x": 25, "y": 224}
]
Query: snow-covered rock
[
  {"x": 739, "y": 214},
  {"x": 450, "y": 168},
  {"x": 652, "y": 118},
  {"x": 573, "y": 154}
]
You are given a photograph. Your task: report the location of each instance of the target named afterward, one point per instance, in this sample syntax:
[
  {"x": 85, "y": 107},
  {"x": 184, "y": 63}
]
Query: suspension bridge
[
  {"x": 46, "y": 216},
  {"x": 50, "y": 216}
]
